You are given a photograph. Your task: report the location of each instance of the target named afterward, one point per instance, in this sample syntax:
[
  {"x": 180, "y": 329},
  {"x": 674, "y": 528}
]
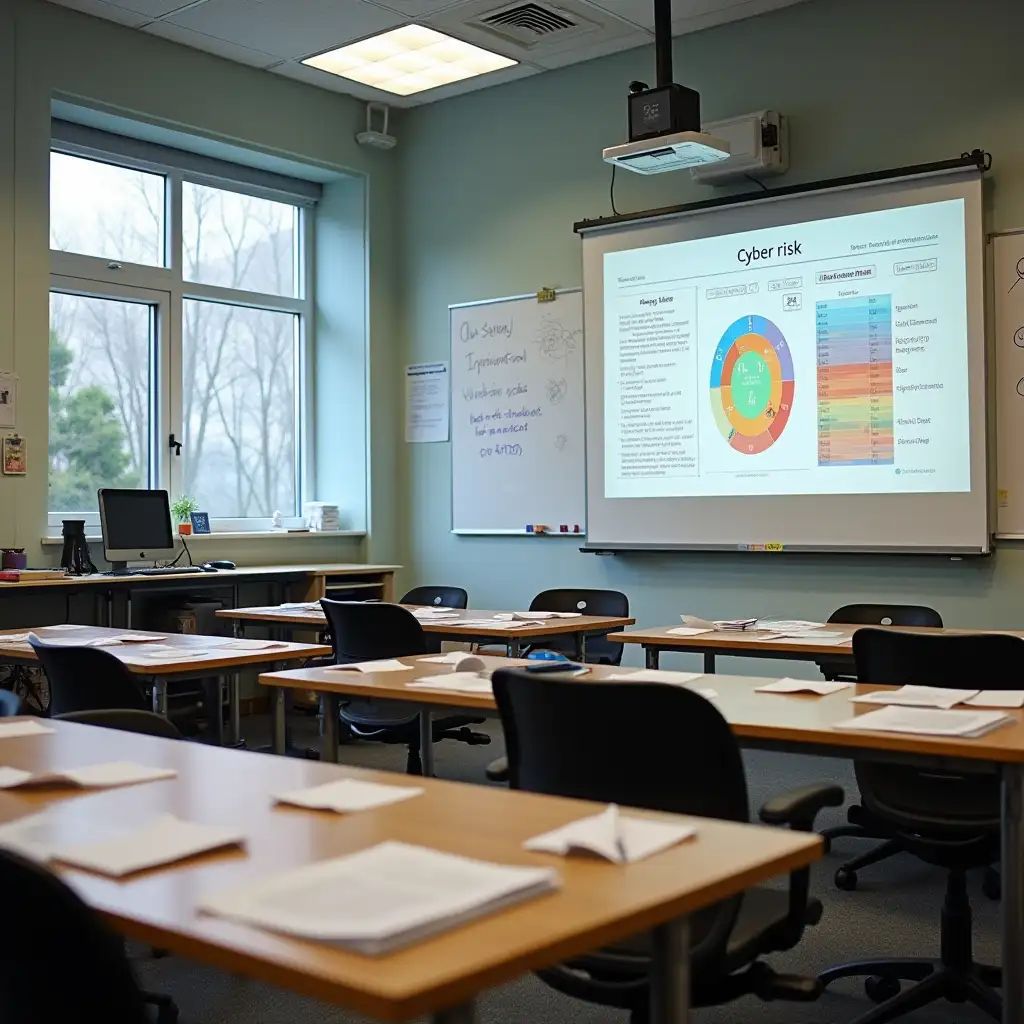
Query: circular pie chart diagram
[{"x": 752, "y": 384}]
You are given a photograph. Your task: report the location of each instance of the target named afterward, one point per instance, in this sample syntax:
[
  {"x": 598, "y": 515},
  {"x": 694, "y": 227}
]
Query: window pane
[
  {"x": 239, "y": 392},
  {"x": 237, "y": 241},
  {"x": 98, "y": 209},
  {"x": 99, "y": 398}
]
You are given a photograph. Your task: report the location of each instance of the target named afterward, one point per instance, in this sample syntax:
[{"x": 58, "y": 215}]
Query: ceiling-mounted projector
[{"x": 664, "y": 122}]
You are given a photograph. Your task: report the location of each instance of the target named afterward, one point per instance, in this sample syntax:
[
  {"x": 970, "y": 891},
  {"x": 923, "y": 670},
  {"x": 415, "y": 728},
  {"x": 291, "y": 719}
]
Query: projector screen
[{"x": 805, "y": 372}]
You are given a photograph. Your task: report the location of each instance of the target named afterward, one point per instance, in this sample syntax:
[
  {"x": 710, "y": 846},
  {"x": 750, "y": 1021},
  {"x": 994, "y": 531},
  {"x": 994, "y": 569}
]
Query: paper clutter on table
[
  {"x": 384, "y": 665},
  {"x": 787, "y": 685},
  {"x": 927, "y": 722},
  {"x": 917, "y": 697},
  {"x": 95, "y": 776},
  {"x": 348, "y": 795},
  {"x": 613, "y": 836}
]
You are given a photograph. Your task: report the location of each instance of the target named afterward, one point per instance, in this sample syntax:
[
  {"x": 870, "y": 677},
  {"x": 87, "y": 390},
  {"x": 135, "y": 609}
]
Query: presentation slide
[{"x": 825, "y": 357}]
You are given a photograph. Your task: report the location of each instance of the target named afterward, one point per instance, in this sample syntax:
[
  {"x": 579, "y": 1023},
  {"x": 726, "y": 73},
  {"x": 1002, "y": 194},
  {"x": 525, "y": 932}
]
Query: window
[{"x": 180, "y": 308}]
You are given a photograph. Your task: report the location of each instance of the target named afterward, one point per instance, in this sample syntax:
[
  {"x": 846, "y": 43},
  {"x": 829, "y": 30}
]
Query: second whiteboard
[{"x": 517, "y": 414}]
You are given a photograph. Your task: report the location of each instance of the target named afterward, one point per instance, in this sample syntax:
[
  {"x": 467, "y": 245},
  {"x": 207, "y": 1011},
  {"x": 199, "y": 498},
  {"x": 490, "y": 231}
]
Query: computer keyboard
[{"x": 170, "y": 570}]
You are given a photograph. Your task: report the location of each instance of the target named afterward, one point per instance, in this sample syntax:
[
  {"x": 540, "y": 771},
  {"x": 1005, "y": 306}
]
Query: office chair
[
  {"x": 443, "y": 597},
  {"x": 940, "y": 816},
  {"x": 58, "y": 960},
  {"x": 367, "y": 631},
  {"x": 146, "y": 723},
  {"x": 859, "y": 824},
  {"x": 87, "y": 679},
  {"x": 10, "y": 703},
  {"x": 599, "y": 650},
  {"x": 656, "y": 747}
]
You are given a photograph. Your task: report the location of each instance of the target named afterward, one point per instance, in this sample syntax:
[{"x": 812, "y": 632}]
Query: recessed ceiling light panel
[{"x": 408, "y": 60}]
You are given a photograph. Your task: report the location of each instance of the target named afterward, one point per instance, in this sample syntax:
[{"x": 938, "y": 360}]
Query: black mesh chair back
[
  {"x": 933, "y": 802},
  {"x": 588, "y": 602},
  {"x": 877, "y": 615},
  {"x": 366, "y": 631},
  {"x": 635, "y": 744},
  {"x": 10, "y": 703},
  {"x": 58, "y": 961},
  {"x": 443, "y": 597},
  {"x": 146, "y": 723},
  {"x": 87, "y": 679}
]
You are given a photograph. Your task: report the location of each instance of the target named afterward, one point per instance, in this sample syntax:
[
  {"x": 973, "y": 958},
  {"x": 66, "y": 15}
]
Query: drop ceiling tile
[
  {"x": 104, "y": 10},
  {"x": 211, "y": 44},
  {"x": 602, "y": 48},
  {"x": 416, "y": 8},
  {"x": 287, "y": 28},
  {"x": 691, "y": 15},
  {"x": 154, "y": 8}
]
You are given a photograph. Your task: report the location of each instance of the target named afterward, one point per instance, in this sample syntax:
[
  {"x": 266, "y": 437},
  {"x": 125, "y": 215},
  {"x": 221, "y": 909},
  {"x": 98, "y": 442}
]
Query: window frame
[{"x": 92, "y": 276}]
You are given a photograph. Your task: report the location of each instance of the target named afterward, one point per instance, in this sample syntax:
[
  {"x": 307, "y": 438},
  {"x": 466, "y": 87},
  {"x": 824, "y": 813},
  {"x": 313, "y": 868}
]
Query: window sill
[{"x": 51, "y": 541}]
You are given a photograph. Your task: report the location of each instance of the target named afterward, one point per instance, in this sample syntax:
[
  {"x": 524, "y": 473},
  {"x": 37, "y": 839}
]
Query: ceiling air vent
[{"x": 532, "y": 24}]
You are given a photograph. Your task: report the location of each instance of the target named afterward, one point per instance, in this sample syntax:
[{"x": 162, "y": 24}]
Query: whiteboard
[
  {"x": 1008, "y": 328},
  {"x": 518, "y": 455}
]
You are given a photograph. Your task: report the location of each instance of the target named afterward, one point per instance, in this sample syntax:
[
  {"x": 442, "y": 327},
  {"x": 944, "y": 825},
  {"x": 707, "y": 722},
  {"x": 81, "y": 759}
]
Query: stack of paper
[
  {"x": 927, "y": 722},
  {"x": 243, "y": 644},
  {"x": 14, "y": 638},
  {"x": 95, "y": 776},
  {"x": 818, "y": 638},
  {"x": 787, "y": 685},
  {"x": 112, "y": 848},
  {"x": 540, "y": 616},
  {"x": 997, "y": 699},
  {"x": 24, "y": 727},
  {"x": 788, "y": 626},
  {"x": 321, "y": 516},
  {"x": 381, "y": 898},
  {"x": 654, "y": 675},
  {"x": 611, "y": 836},
  {"x": 735, "y": 625},
  {"x": 346, "y": 795},
  {"x": 298, "y": 606},
  {"x": 98, "y": 641},
  {"x": 431, "y": 614},
  {"x": 917, "y": 697},
  {"x": 690, "y": 630},
  {"x": 463, "y": 682}
]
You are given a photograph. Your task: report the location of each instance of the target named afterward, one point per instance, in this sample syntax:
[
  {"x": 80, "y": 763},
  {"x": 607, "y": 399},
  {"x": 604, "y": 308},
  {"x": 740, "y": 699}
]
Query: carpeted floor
[{"x": 895, "y": 911}]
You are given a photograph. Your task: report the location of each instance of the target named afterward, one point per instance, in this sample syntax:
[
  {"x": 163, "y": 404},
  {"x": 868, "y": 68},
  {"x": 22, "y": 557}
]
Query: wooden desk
[
  {"x": 579, "y": 628},
  {"x": 750, "y": 643},
  {"x": 160, "y": 671},
  {"x": 310, "y": 582},
  {"x": 597, "y": 904},
  {"x": 798, "y": 723}
]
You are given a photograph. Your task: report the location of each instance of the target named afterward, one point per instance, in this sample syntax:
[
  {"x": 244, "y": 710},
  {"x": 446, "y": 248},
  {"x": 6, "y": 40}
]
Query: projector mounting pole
[{"x": 663, "y": 40}]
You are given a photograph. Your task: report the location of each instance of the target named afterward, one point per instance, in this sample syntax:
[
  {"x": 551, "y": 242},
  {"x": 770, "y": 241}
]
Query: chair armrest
[{"x": 800, "y": 807}]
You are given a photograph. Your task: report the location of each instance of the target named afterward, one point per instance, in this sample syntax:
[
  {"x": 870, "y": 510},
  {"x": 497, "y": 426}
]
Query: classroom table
[
  {"x": 308, "y": 582},
  {"x": 598, "y": 903},
  {"x": 751, "y": 643},
  {"x": 579, "y": 628},
  {"x": 798, "y": 723},
  {"x": 158, "y": 672}
]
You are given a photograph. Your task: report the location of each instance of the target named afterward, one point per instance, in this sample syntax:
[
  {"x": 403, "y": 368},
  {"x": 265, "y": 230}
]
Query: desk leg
[
  {"x": 426, "y": 742},
  {"x": 329, "y": 719},
  {"x": 515, "y": 649},
  {"x": 709, "y": 663},
  {"x": 581, "y": 646},
  {"x": 160, "y": 696},
  {"x": 279, "y": 739},
  {"x": 464, "y": 1014},
  {"x": 670, "y": 973},
  {"x": 234, "y": 709},
  {"x": 1013, "y": 894},
  {"x": 652, "y": 656}
]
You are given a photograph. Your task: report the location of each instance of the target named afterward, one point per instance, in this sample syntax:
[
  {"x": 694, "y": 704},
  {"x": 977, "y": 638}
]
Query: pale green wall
[
  {"x": 493, "y": 181},
  {"x": 49, "y": 52}
]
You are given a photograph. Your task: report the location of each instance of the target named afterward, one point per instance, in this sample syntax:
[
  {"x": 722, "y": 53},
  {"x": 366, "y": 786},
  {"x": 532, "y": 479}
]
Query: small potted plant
[{"x": 182, "y": 511}]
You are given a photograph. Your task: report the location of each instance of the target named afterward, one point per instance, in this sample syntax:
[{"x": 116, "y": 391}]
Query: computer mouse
[
  {"x": 208, "y": 567},
  {"x": 219, "y": 563}
]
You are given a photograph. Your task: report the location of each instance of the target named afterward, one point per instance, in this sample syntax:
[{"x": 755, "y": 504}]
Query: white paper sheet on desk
[
  {"x": 27, "y": 727},
  {"x": 14, "y": 638},
  {"x": 384, "y": 665},
  {"x": 154, "y": 653},
  {"x": 787, "y": 685},
  {"x": 381, "y": 898},
  {"x": 812, "y": 639},
  {"x": 451, "y": 658},
  {"x": 655, "y": 675},
  {"x": 696, "y": 622},
  {"x": 137, "y": 638},
  {"x": 98, "y": 641},
  {"x": 613, "y": 836},
  {"x": 243, "y": 644},
  {"x": 788, "y": 626},
  {"x": 542, "y": 616},
  {"x": 66, "y": 625},
  {"x": 996, "y": 699},
  {"x": 690, "y": 630},
  {"x": 300, "y": 606},
  {"x": 916, "y": 697},
  {"x": 96, "y": 776},
  {"x": 927, "y": 721},
  {"x": 512, "y": 624},
  {"x": 463, "y": 682},
  {"x": 348, "y": 795}
]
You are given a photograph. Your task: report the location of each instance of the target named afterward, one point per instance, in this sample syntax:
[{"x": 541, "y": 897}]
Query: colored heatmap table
[
  {"x": 752, "y": 384},
  {"x": 854, "y": 344}
]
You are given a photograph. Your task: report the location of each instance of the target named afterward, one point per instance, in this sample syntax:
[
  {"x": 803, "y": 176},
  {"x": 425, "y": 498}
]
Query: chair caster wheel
[
  {"x": 846, "y": 880},
  {"x": 879, "y": 990},
  {"x": 992, "y": 884}
]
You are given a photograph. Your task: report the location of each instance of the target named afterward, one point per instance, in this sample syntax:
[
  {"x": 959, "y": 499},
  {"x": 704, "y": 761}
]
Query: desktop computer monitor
[{"x": 136, "y": 525}]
